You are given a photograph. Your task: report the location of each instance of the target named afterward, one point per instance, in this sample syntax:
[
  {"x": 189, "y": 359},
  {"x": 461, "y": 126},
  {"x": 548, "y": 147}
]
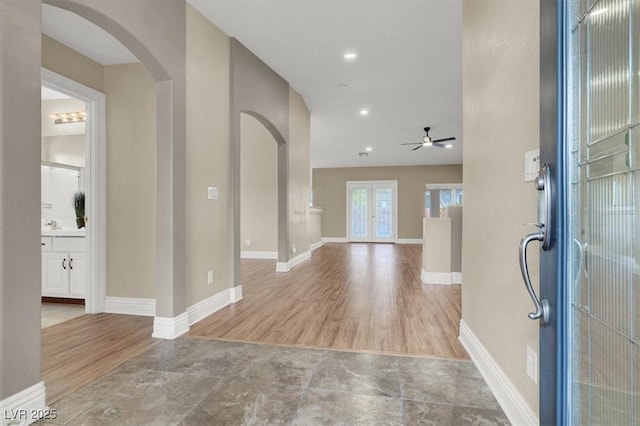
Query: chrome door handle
[{"x": 542, "y": 307}]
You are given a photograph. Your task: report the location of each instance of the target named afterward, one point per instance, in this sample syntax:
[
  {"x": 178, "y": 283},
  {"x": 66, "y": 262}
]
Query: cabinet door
[
  {"x": 55, "y": 274},
  {"x": 77, "y": 275}
]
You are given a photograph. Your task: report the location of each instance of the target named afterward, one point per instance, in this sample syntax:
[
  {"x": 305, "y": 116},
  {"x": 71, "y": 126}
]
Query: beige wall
[
  {"x": 60, "y": 59},
  {"x": 436, "y": 249},
  {"x": 315, "y": 225},
  {"x": 258, "y": 186},
  {"x": 208, "y": 158},
  {"x": 455, "y": 214},
  {"x": 500, "y": 121},
  {"x": 330, "y": 193},
  {"x": 131, "y": 180},
  {"x": 299, "y": 178}
]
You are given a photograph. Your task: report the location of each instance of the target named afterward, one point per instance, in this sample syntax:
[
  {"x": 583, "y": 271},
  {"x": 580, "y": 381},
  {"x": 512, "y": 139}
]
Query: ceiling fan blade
[
  {"x": 412, "y": 143},
  {"x": 437, "y": 145},
  {"x": 417, "y": 147},
  {"x": 444, "y": 140}
]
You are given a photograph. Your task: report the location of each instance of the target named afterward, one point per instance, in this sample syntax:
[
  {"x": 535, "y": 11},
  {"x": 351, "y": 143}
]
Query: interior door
[{"x": 371, "y": 216}]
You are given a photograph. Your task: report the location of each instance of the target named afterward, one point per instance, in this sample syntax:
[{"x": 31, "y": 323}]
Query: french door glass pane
[
  {"x": 359, "y": 213},
  {"x": 604, "y": 249},
  {"x": 384, "y": 220}
]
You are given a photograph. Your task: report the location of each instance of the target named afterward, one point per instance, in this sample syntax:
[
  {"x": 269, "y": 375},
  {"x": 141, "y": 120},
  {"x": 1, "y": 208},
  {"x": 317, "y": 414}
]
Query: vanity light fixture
[{"x": 69, "y": 117}]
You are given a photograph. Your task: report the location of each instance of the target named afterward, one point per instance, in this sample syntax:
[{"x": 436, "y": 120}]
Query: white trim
[
  {"x": 130, "y": 306},
  {"x": 456, "y": 277},
  {"x": 18, "y": 409},
  {"x": 299, "y": 259},
  {"x": 334, "y": 240},
  {"x": 235, "y": 294},
  {"x": 170, "y": 327},
  {"x": 206, "y": 307},
  {"x": 436, "y": 277},
  {"x": 409, "y": 241},
  {"x": 513, "y": 404},
  {"x": 287, "y": 266},
  {"x": 283, "y": 267},
  {"x": 317, "y": 245},
  {"x": 443, "y": 186},
  {"x": 258, "y": 255},
  {"x": 95, "y": 177}
]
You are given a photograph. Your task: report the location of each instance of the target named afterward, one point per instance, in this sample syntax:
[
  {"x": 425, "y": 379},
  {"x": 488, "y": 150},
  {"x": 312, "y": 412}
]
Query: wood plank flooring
[
  {"x": 81, "y": 350},
  {"x": 348, "y": 296}
]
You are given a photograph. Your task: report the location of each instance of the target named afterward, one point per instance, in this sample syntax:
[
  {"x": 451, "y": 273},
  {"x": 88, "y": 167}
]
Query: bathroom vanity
[{"x": 63, "y": 263}]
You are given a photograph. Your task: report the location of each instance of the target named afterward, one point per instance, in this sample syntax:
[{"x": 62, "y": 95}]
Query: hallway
[{"x": 365, "y": 297}]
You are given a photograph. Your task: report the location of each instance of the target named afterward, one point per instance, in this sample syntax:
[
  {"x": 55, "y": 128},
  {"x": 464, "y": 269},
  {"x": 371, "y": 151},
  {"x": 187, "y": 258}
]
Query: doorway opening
[
  {"x": 73, "y": 178},
  {"x": 372, "y": 211}
]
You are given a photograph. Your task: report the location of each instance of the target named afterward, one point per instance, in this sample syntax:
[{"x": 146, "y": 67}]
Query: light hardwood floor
[
  {"x": 81, "y": 350},
  {"x": 348, "y": 296}
]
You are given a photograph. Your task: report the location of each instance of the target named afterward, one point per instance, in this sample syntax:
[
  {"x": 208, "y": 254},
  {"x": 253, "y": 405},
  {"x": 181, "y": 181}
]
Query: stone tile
[
  {"x": 69, "y": 408},
  {"x": 242, "y": 403},
  {"x": 440, "y": 381},
  {"x": 360, "y": 373},
  {"x": 324, "y": 407},
  {"x": 144, "y": 397},
  {"x": 276, "y": 364},
  {"x": 430, "y": 414}
]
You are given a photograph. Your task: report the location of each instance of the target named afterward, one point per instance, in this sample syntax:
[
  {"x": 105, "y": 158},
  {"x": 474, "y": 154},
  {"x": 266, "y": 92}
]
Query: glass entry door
[
  {"x": 371, "y": 211},
  {"x": 603, "y": 233}
]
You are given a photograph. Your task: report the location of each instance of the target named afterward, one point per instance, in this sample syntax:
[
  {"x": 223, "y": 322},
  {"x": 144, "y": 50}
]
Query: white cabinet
[{"x": 63, "y": 267}]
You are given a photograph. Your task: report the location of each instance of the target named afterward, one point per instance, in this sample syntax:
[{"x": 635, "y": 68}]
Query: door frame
[
  {"x": 95, "y": 180},
  {"x": 355, "y": 183}
]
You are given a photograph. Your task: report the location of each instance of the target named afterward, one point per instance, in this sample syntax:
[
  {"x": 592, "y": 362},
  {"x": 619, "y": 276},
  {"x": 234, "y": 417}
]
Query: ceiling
[{"x": 408, "y": 72}]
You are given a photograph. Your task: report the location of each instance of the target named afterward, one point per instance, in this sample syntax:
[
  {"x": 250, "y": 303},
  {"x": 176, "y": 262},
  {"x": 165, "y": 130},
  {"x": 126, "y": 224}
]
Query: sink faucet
[{"x": 51, "y": 223}]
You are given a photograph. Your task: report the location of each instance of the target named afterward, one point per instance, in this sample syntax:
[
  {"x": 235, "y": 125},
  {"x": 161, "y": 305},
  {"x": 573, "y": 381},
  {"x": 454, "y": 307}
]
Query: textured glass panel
[
  {"x": 610, "y": 250},
  {"x": 582, "y": 131},
  {"x": 634, "y": 148},
  {"x": 384, "y": 220},
  {"x": 635, "y": 60},
  {"x": 608, "y": 68},
  {"x": 359, "y": 213},
  {"x": 611, "y": 383},
  {"x": 580, "y": 367},
  {"x": 613, "y": 145},
  {"x": 616, "y": 163}
]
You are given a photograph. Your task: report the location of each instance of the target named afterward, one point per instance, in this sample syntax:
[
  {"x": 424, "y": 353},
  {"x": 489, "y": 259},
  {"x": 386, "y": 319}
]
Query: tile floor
[
  {"x": 55, "y": 313},
  {"x": 191, "y": 381}
]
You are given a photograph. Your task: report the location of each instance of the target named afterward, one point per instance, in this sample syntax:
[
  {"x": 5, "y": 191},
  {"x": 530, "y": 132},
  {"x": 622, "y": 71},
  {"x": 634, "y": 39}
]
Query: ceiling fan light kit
[{"x": 429, "y": 142}]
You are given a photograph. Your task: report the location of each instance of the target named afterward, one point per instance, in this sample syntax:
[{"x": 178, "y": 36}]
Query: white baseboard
[
  {"x": 334, "y": 240},
  {"x": 287, "y": 266},
  {"x": 258, "y": 255},
  {"x": 170, "y": 327},
  {"x": 235, "y": 294},
  {"x": 22, "y": 408},
  {"x": 512, "y": 403},
  {"x": 456, "y": 277},
  {"x": 283, "y": 267},
  {"x": 317, "y": 245},
  {"x": 436, "y": 277},
  {"x": 409, "y": 241},
  {"x": 206, "y": 307},
  {"x": 130, "y": 306}
]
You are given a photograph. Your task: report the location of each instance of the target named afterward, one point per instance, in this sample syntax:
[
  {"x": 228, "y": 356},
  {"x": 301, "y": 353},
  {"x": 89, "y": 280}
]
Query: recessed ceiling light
[
  {"x": 448, "y": 145},
  {"x": 350, "y": 56},
  {"x": 364, "y": 111},
  {"x": 369, "y": 148}
]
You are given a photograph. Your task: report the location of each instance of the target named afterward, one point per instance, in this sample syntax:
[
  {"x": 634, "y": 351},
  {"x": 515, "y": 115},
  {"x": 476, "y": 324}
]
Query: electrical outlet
[
  {"x": 248, "y": 242},
  {"x": 532, "y": 365},
  {"x": 210, "y": 277},
  {"x": 212, "y": 193},
  {"x": 294, "y": 250}
]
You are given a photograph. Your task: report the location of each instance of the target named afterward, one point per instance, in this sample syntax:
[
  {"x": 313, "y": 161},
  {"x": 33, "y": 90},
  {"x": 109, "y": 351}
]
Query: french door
[
  {"x": 590, "y": 267},
  {"x": 371, "y": 211}
]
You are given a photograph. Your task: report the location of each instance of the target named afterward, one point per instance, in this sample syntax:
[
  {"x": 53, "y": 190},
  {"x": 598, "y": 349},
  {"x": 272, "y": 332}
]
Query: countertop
[{"x": 64, "y": 232}]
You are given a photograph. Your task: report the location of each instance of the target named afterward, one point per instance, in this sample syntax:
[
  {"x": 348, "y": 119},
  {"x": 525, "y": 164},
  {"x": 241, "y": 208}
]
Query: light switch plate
[
  {"x": 531, "y": 165},
  {"x": 210, "y": 277},
  {"x": 212, "y": 193}
]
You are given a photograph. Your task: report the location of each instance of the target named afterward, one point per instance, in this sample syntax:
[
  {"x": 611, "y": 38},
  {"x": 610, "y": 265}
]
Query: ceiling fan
[{"x": 427, "y": 141}]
